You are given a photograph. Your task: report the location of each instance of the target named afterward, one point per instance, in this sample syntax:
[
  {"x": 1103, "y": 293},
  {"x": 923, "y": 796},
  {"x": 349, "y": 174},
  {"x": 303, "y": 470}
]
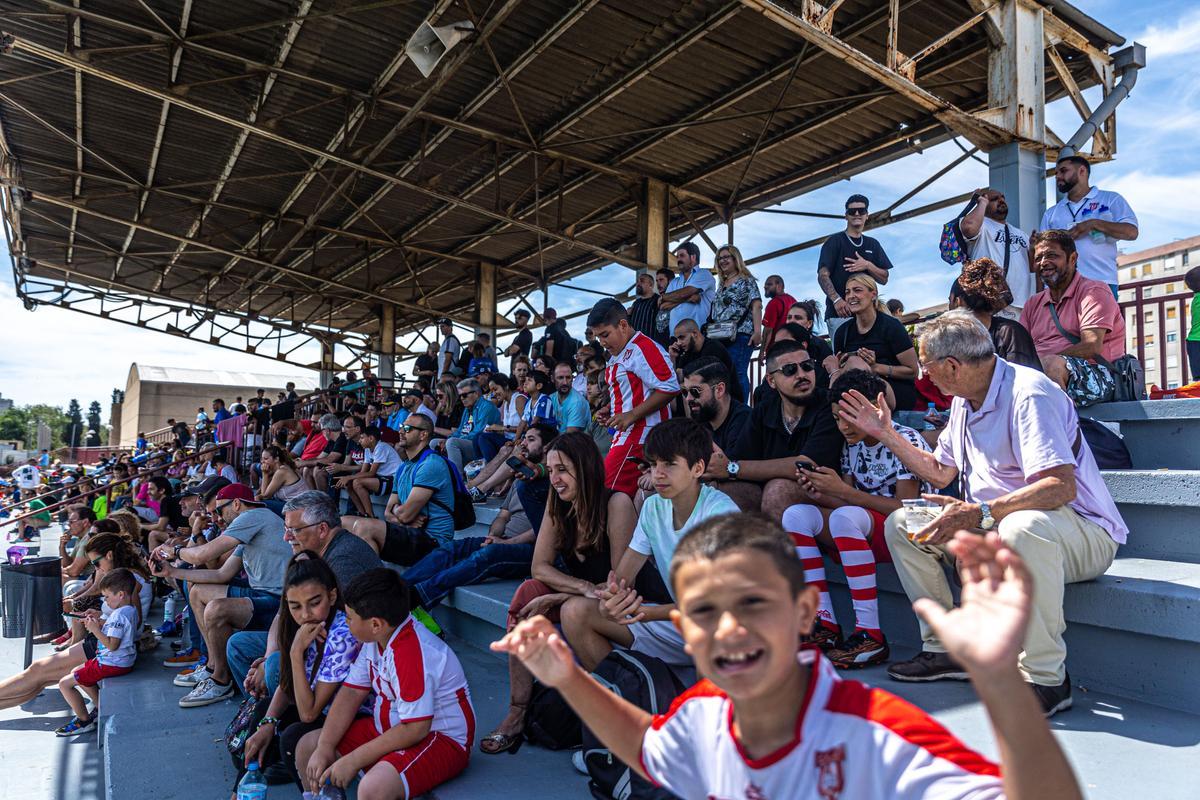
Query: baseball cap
[
  {"x": 238, "y": 491},
  {"x": 444, "y": 321}
]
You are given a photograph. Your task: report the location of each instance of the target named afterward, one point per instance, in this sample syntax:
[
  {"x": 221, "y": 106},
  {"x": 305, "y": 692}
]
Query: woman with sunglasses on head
[
  {"x": 449, "y": 409},
  {"x": 736, "y": 317},
  {"x": 105, "y": 552},
  {"x": 879, "y": 339}
]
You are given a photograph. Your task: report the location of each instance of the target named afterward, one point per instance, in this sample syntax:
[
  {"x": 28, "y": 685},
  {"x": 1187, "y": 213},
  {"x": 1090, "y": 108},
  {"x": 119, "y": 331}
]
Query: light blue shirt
[
  {"x": 703, "y": 280},
  {"x": 430, "y": 471},
  {"x": 572, "y": 412},
  {"x": 397, "y": 419},
  {"x": 482, "y": 414}
]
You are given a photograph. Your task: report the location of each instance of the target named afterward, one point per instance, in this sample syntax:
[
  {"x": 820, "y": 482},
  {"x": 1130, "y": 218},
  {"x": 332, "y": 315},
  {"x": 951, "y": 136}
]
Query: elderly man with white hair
[{"x": 1024, "y": 469}]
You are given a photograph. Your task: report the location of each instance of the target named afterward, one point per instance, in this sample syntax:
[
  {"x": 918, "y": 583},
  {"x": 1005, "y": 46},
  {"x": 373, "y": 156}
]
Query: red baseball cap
[{"x": 238, "y": 491}]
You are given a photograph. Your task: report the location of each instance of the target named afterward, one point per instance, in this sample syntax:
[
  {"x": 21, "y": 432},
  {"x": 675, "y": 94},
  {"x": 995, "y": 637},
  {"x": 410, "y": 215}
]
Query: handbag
[
  {"x": 242, "y": 727},
  {"x": 723, "y": 331},
  {"x": 1127, "y": 375}
]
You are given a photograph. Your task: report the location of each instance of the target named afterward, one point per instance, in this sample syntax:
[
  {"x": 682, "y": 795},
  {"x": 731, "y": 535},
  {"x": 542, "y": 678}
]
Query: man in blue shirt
[
  {"x": 690, "y": 294},
  {"x": 570, "y": 407},
  {"x": 478, "y": 413},
  {"x": 424, "y": 520},
  {"x": 220, "y": 413}
]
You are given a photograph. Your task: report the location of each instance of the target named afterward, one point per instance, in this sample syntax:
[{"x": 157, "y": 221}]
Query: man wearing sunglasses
[
  {"x": 707, "y": 392},
  {"x": 791, "y": 423},
  {"x": 691, "y": 345},
  {"x": 843, "y": 255},
  {"x": 478, "y": 413}
]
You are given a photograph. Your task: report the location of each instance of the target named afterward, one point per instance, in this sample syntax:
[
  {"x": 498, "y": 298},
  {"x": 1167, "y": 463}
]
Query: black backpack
[
  {"x": 550, "y": 722},
  {"x": 464, "y": 507},
  {"x": 649, "y": 684},
  {"x": 1108, "y": 449}
]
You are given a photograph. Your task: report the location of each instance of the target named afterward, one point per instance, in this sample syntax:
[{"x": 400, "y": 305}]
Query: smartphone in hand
[{"x": 805, "y": 466}]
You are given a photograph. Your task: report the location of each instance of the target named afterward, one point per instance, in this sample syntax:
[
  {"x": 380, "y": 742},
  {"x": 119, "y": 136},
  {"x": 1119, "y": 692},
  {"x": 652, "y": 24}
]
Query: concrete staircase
[{"x": 1134, "y": 639}]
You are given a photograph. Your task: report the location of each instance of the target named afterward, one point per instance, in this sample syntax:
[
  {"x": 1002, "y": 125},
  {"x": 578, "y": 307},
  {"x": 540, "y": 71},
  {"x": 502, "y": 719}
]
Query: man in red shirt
[
  {"x": 1076, "y": 324},
  {"x": 775, "y": 313}
]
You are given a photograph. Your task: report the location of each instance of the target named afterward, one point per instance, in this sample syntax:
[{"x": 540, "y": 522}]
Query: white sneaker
[
  {"x": 206, "y": 692},
  {"x": 578, "y": 762},
  {"x": 192, "y": 677}
]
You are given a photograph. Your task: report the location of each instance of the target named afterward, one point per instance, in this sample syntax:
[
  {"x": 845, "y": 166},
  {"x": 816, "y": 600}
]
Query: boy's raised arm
[
  {"x": 619, "y": 724},
  {"x": 985, "y": 635}
]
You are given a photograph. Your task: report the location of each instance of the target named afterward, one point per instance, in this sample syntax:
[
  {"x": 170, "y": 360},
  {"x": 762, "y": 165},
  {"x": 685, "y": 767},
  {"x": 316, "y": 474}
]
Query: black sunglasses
[
  {"x": 790, "y": 370},
  {"x": 411, "y": 428},
  {"x": 856, "y": 211},
  {"x": 466, "y": 394}
]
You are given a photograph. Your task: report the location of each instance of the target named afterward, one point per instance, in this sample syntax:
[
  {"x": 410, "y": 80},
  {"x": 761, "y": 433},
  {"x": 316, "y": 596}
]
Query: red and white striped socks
[
  {"x": 803, "y": 522},
  {"x": 849, "y": 527}
]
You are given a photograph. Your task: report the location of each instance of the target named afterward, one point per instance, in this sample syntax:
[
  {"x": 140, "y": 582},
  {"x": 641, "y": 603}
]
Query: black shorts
[
  {"x": 90, "y": 646},
  {"x": 385, "y": 484},
  {"x": 405, "y": 545}
]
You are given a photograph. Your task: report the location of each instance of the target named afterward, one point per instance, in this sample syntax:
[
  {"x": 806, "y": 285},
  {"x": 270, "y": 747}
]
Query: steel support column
[
  {"x": 653, "y": 223},
  {"x": 386, "y": 368},
  {"x": 328, "y": 363},
  {"x": 1017, "y": 102},
  {"x": 485, "y": 301}
]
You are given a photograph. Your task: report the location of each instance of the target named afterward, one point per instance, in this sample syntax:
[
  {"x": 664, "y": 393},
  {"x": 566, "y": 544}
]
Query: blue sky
[{"x": 54, "y": 354}]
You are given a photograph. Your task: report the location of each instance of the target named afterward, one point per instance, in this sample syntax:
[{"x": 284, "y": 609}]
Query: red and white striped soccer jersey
[
  {"x": 852, "y": 742},
  {"x": 637, "y": 372},
  {"x": 414, "y": 678}
]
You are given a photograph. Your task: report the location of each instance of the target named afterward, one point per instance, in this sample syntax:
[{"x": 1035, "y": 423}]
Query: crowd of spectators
[{"x": 621, "y": 463}]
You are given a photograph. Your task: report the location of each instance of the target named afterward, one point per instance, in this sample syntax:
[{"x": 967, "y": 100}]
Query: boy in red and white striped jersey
[
  {"x": 641, "y": 385},
  {"x": 769, "y": 723},
  {"x": 420, "y": 731}
]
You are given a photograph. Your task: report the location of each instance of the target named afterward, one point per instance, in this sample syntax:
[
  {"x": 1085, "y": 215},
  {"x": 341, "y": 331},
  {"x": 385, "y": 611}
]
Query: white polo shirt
[{"x": 1097, "y": 252}]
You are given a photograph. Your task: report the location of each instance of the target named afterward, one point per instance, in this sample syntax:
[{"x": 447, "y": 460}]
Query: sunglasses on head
[
  {"x": 790, "y": 370},
  {"x": 856, "y": 211}
]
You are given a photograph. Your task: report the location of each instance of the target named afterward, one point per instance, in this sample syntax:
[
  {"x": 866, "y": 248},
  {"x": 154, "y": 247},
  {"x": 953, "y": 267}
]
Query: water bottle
[
  {"x": 171, "y": 605},
  {"x": 930, "y": 414},
  {"x": 252, "y": 786},
  {"x": 331, "y": 792}
]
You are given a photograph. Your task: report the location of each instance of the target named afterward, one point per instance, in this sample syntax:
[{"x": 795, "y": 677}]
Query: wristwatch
[
  {"x": 177, "y": 549},
  {"x": 734, "y": 468},
  {"x": 988, "y": 522}
]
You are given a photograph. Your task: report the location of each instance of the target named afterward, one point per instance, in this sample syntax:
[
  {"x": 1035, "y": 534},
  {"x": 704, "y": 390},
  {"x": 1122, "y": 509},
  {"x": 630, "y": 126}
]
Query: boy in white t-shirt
[
  {"x": 421, "y": 730},
  {"x": 116, "y": 636},
  {"x": 768, "y": 722},
  {"x": 377, "y": 474},
  {"x": 677, "y": 451}
]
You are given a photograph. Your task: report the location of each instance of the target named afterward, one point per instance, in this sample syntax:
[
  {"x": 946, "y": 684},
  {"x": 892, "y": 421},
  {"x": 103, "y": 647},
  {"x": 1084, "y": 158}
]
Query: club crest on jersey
[{"x": 830, "y": 778}]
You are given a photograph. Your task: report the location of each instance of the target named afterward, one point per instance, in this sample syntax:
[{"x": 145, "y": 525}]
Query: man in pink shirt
[{"x": 1076, "y": 324}]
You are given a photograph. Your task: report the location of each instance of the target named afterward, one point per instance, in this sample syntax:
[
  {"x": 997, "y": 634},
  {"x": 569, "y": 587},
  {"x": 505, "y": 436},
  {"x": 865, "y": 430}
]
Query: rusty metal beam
[{"x": 980, "y": 132}]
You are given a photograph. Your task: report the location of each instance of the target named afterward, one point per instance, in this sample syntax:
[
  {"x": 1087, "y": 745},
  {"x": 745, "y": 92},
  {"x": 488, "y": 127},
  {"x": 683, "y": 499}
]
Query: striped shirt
[
  {"x": 637, "y": 372},
  {"x": 416, "y": 677}
]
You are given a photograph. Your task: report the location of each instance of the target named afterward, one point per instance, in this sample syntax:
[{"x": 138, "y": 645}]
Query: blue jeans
[
  {"x": 274, "y": 505},
  {"x": 465, "y": 562},
  {"x": 739, "y": 353},
  {"x": 533, "y": 496},
  {"x": 242, "y": 649},
  {"x": 488, "y": 444},
  {"x": 193, "y": 628}
]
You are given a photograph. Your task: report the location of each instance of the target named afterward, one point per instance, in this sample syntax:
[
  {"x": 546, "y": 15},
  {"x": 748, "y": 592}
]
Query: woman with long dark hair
[
  {"x": 280, "y": 481},
  {"x": 106, "y": 552},
  {"x": 585, "y": 531},
  {"x": 317, "y": 652},
  {"x": 449, "y": 409}
]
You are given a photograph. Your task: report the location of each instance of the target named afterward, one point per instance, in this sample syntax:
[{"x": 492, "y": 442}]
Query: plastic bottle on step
[{"x": 252, "y": 786}]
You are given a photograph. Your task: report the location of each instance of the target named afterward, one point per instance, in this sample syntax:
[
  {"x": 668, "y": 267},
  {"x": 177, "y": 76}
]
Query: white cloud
[{"x": 1178, "y": 38}]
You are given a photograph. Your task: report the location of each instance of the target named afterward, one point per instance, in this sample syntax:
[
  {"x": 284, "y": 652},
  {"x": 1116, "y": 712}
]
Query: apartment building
[{"x": 1156, "y": 302}]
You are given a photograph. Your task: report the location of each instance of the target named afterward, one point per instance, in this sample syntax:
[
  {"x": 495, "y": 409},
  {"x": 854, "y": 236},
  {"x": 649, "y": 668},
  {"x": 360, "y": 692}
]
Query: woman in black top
[
  {"x": 879, "y": 339},
  {"x": 982, "y": 290},
  {"x": 584, "y": 533}
]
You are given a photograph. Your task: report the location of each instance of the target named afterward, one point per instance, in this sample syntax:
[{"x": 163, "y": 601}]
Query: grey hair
[
  {"x": 317, "y": 508},
  {"x": 470, "y": 384},
  {"x": 956, "y": 334},
  {"x": 330, "y": 422}
]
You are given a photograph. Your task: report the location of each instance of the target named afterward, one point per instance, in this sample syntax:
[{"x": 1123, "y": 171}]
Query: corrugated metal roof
[{"x": 610, "y": 83}]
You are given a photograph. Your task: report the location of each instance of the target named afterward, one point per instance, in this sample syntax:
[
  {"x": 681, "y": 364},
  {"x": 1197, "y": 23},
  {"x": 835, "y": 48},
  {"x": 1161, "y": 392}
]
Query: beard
[
  {"x": 1065, "y": 186},
  {"x": 704, "y": 413}
]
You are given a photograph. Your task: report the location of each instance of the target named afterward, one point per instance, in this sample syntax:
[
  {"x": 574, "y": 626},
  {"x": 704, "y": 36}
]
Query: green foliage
[
  {"x": 94, "y": 423},
  {"x": 72, "y": 426},
  {"x": 21, "y": 423}
]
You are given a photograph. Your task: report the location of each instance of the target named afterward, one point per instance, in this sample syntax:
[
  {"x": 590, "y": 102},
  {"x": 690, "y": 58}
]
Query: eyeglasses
[
  {"x": 222, "y": 506},
  {"x": 725, "y": 257},
  {"x": 790, "y": 370},
  {"x": 95, "y": 562},
  {"x": 695, "y": 392},
  {"x": 857, "y": 211},
  {"x": 294, "y": 531},
  {"x": 466, "y": 394}
]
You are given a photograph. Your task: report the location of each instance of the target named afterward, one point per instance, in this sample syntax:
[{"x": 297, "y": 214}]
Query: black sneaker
[
  {"x": 1053, "y": 698},
  {"x": 927, "y": 667},
  {"x": 860, "y": 650},
  {"x": 277, "y": 774},
  {"x": 824, "y": 637}
]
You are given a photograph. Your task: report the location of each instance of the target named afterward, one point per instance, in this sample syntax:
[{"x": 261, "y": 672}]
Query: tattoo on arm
[{"x": 826, "y": 283}]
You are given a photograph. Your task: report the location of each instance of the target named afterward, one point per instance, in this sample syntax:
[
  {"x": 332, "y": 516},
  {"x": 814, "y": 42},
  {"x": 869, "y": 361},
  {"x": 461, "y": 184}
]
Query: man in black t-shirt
[
  {"x": 846, "y": 253},
  {"x": 523, "y": 342},
  {"x": 691, "y": 345},
  {"x": 427, "y": 364},
  {"x": 705, "y": 387}
]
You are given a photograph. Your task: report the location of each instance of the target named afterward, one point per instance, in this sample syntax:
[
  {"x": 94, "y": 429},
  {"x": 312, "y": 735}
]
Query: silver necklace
[{"x": 859, "y": 243}]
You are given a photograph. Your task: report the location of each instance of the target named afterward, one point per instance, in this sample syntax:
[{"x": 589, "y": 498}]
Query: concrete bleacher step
[
  {"x": 1158, "y": 433},
  {"x": 1160, "y": 509}
]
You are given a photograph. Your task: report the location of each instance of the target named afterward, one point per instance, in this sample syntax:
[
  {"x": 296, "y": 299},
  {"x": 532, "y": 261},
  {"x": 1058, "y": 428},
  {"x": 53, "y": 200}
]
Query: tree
[
  {"x": 14, "y": 424},
  {"x": 94, "y": 424},
  {"x": 72, "y": 427}
]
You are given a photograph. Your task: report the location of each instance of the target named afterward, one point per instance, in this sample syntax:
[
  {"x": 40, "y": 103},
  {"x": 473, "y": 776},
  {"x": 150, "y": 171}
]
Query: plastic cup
[{"x": 918, "y": 514}]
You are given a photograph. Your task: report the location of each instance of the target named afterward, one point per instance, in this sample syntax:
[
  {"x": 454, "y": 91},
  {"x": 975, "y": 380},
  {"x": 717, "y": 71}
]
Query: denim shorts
[{"x": 266, "y": 606}]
